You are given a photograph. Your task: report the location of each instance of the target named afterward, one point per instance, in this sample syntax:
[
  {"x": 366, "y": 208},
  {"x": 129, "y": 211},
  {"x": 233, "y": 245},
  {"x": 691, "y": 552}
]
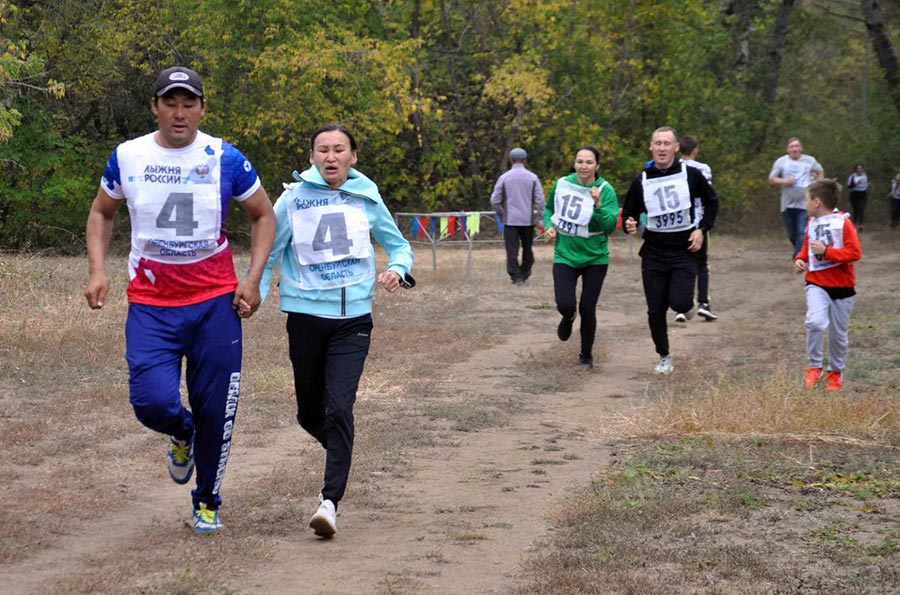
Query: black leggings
[
  {"x": 858, "y": 201},
  {"x": 565, "y": 279},
  {"x": 328, "y": 356}
]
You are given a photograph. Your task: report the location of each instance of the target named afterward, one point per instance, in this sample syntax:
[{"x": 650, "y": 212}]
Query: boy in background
[
  {"x": 689, "y": 147},
  {"x": 830, "y": 247}
]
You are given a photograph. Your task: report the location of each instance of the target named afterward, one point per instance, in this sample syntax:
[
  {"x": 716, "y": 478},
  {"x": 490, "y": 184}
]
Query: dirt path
[
  {"x": 468, "y": 514},
  {"x": 467, "y": 517}
]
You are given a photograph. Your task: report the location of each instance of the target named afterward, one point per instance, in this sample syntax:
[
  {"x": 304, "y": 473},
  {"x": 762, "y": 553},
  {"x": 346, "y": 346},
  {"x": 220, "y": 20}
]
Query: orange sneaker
[
  {"x": 834, "y": 381},
  {"x": 811, "y": 378}
]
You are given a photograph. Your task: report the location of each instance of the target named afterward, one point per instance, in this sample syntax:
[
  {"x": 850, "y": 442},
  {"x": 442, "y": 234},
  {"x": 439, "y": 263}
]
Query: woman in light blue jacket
[{"x": 328, "y": 277}]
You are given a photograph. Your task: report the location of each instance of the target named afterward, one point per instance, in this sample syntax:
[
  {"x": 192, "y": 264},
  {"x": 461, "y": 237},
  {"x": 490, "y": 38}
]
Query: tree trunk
[
  {"x": 743, "y": 12},
  {"x": 774, "y": 57},
  {"x": 883, "y": 48},
  {"x": 776, "y": 50}
]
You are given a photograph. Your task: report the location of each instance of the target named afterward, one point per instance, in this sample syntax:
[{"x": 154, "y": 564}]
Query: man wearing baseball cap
[
  {"x": 184, "y": 299},
  {"x": 517, "y": 196}
]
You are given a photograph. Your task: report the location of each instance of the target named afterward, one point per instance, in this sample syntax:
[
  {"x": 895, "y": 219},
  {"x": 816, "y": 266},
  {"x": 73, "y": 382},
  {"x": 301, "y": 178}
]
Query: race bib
[
  {"x": 177, "y": 211},
  {"x": 668, "y": 202},
  {"x": 573, "y": 207},
  {"x": 828, "y": 229},
  {"x": 331, "y": 239}
]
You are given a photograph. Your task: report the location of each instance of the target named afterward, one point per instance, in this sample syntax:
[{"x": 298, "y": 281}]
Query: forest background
[{"x": 438, "y": 91}]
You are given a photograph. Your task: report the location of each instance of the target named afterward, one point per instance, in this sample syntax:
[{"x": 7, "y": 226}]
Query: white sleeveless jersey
[
  {"x": 178, "y": 199},
  {"x": 173, "y": 198}
]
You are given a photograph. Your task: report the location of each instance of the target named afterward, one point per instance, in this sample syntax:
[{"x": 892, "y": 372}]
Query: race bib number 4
[
  {"x": 331, "y": 243},
  {"x": 330, "y": 233},
  {"x": 180, "y": 220}
]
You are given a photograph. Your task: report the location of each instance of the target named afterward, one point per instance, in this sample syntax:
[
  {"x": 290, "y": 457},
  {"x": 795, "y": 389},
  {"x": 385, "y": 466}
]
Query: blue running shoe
[
  {"x": 181, "y": 460},
  {"x": 206, "y": 520}
]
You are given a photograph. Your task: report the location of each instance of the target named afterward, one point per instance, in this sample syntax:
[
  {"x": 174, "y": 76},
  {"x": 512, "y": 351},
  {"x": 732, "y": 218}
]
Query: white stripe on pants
[{"x": 823, "y": 313}]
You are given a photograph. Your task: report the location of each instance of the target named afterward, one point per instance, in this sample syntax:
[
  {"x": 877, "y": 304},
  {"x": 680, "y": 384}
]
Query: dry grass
[{"x": 774, "y": 406}]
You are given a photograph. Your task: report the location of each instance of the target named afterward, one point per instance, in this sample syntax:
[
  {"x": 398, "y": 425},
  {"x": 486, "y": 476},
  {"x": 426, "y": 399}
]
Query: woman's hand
[
  {"x": 390, "y": 280},
  {"x": 595, "y": 194},
  {"x": 550, "y": 234}
]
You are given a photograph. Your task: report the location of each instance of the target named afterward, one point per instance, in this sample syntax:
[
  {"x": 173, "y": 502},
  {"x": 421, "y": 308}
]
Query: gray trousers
[{"x": 824, "y": 313}]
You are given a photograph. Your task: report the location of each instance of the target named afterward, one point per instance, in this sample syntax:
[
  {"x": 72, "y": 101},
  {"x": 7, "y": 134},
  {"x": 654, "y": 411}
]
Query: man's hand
[
  {"x": 390, "y": 280},
  {"x": 246, "y": 298},
  {"x": 696, "y": 240},
  {"x": 97, "y": 288},
  {"x": 631, "y": 226}
]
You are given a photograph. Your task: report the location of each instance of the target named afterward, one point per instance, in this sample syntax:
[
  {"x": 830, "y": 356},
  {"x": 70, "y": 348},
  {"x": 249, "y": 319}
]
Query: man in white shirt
[{"x": 793, "y": 172}]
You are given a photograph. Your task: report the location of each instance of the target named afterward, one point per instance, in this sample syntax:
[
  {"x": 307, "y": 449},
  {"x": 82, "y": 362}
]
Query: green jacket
[{"x": 579, "y": 252}]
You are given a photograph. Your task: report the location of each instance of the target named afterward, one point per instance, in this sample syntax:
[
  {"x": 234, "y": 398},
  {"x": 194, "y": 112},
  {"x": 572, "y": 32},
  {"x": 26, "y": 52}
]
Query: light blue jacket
[{"x": 349, "y": 301}]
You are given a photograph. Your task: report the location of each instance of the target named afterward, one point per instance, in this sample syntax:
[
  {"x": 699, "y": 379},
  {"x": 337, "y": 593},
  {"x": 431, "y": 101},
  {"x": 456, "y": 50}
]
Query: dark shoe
[
  {"x": 585, "y": 360},
  {"x": 706, "y": 312},
  {"x": 564, "y": 330},
  {"x": 180, "y": 459}
]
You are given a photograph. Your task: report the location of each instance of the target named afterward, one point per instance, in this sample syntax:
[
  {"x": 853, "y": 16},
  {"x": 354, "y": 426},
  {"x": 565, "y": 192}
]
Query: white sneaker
[
  {"x": 680, "y": 317},
  {"x": 324, "y": 522},
  {"x": 664, "y": 366}
]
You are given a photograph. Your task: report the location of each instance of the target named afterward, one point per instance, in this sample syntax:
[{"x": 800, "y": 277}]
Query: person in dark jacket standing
[
  {"x": 666, "y": 192},
  {"x": 517, "y": 196}
]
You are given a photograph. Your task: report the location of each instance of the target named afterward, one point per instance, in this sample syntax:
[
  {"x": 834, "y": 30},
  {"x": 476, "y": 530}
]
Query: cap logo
[{"x": 179, "y": 76}]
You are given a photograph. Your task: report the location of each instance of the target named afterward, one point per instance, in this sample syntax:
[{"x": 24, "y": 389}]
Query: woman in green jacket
[{"x": 581, "y": 210}]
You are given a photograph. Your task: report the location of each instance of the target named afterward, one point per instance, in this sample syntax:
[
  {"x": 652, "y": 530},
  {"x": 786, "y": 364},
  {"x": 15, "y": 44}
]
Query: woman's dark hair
[
  {"x": 332, "y": 128},
  {"x": 593, "y": 150}
]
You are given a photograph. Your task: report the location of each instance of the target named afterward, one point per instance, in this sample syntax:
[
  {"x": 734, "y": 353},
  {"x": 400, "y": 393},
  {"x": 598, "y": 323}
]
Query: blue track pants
[{"x": 208, "y": 336}]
